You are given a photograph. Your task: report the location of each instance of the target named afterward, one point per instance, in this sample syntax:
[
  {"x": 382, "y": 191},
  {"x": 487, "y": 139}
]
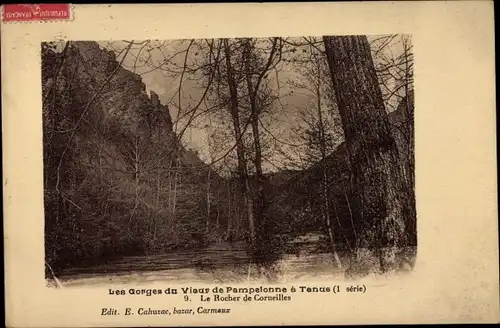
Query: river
[{"x": 219, "y": 263}]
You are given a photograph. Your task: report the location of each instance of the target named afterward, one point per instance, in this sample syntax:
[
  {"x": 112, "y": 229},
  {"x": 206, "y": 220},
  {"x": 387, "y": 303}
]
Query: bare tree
[{"x": 242, "y": 163}]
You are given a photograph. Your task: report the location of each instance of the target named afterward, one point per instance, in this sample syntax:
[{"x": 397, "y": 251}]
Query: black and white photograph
[{"x": 230, "y": 160}]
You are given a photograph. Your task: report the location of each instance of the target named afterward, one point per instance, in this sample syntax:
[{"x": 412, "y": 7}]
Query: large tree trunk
[
  {"x": 406, "y": 145},
  {"x": 384, "y": 206},
  {"x": 242, "y": 164}
]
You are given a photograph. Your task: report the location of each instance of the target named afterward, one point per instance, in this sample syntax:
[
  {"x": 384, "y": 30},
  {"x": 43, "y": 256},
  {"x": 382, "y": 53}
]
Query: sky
[{"x": 159, "y": 63}]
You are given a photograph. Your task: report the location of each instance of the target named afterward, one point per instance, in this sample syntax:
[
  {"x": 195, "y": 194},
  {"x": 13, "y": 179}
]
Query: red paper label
[{"x": 36, "y": 12}]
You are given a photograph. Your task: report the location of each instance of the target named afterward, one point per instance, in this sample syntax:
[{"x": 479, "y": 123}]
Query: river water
[{"x": 220, "y": 263}]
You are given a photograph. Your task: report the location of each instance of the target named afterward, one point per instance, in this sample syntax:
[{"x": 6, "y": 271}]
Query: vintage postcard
[{"x": 249, "y": 164}]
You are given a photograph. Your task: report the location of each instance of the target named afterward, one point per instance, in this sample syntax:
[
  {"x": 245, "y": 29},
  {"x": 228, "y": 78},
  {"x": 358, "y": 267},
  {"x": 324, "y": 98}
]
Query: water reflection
[{"x": 220, "y": 263}]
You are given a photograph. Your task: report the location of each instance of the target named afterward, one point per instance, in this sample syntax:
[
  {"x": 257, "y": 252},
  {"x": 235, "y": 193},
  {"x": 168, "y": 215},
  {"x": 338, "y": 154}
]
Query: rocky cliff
[{"x": 117, "y": 180}]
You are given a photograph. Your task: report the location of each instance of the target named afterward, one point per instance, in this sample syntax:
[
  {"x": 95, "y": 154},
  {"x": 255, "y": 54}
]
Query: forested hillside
[
  {"x": 121, "y": 178},
  {"x": 298, "y": 197},
  {"x": 117, "y": 181}
]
